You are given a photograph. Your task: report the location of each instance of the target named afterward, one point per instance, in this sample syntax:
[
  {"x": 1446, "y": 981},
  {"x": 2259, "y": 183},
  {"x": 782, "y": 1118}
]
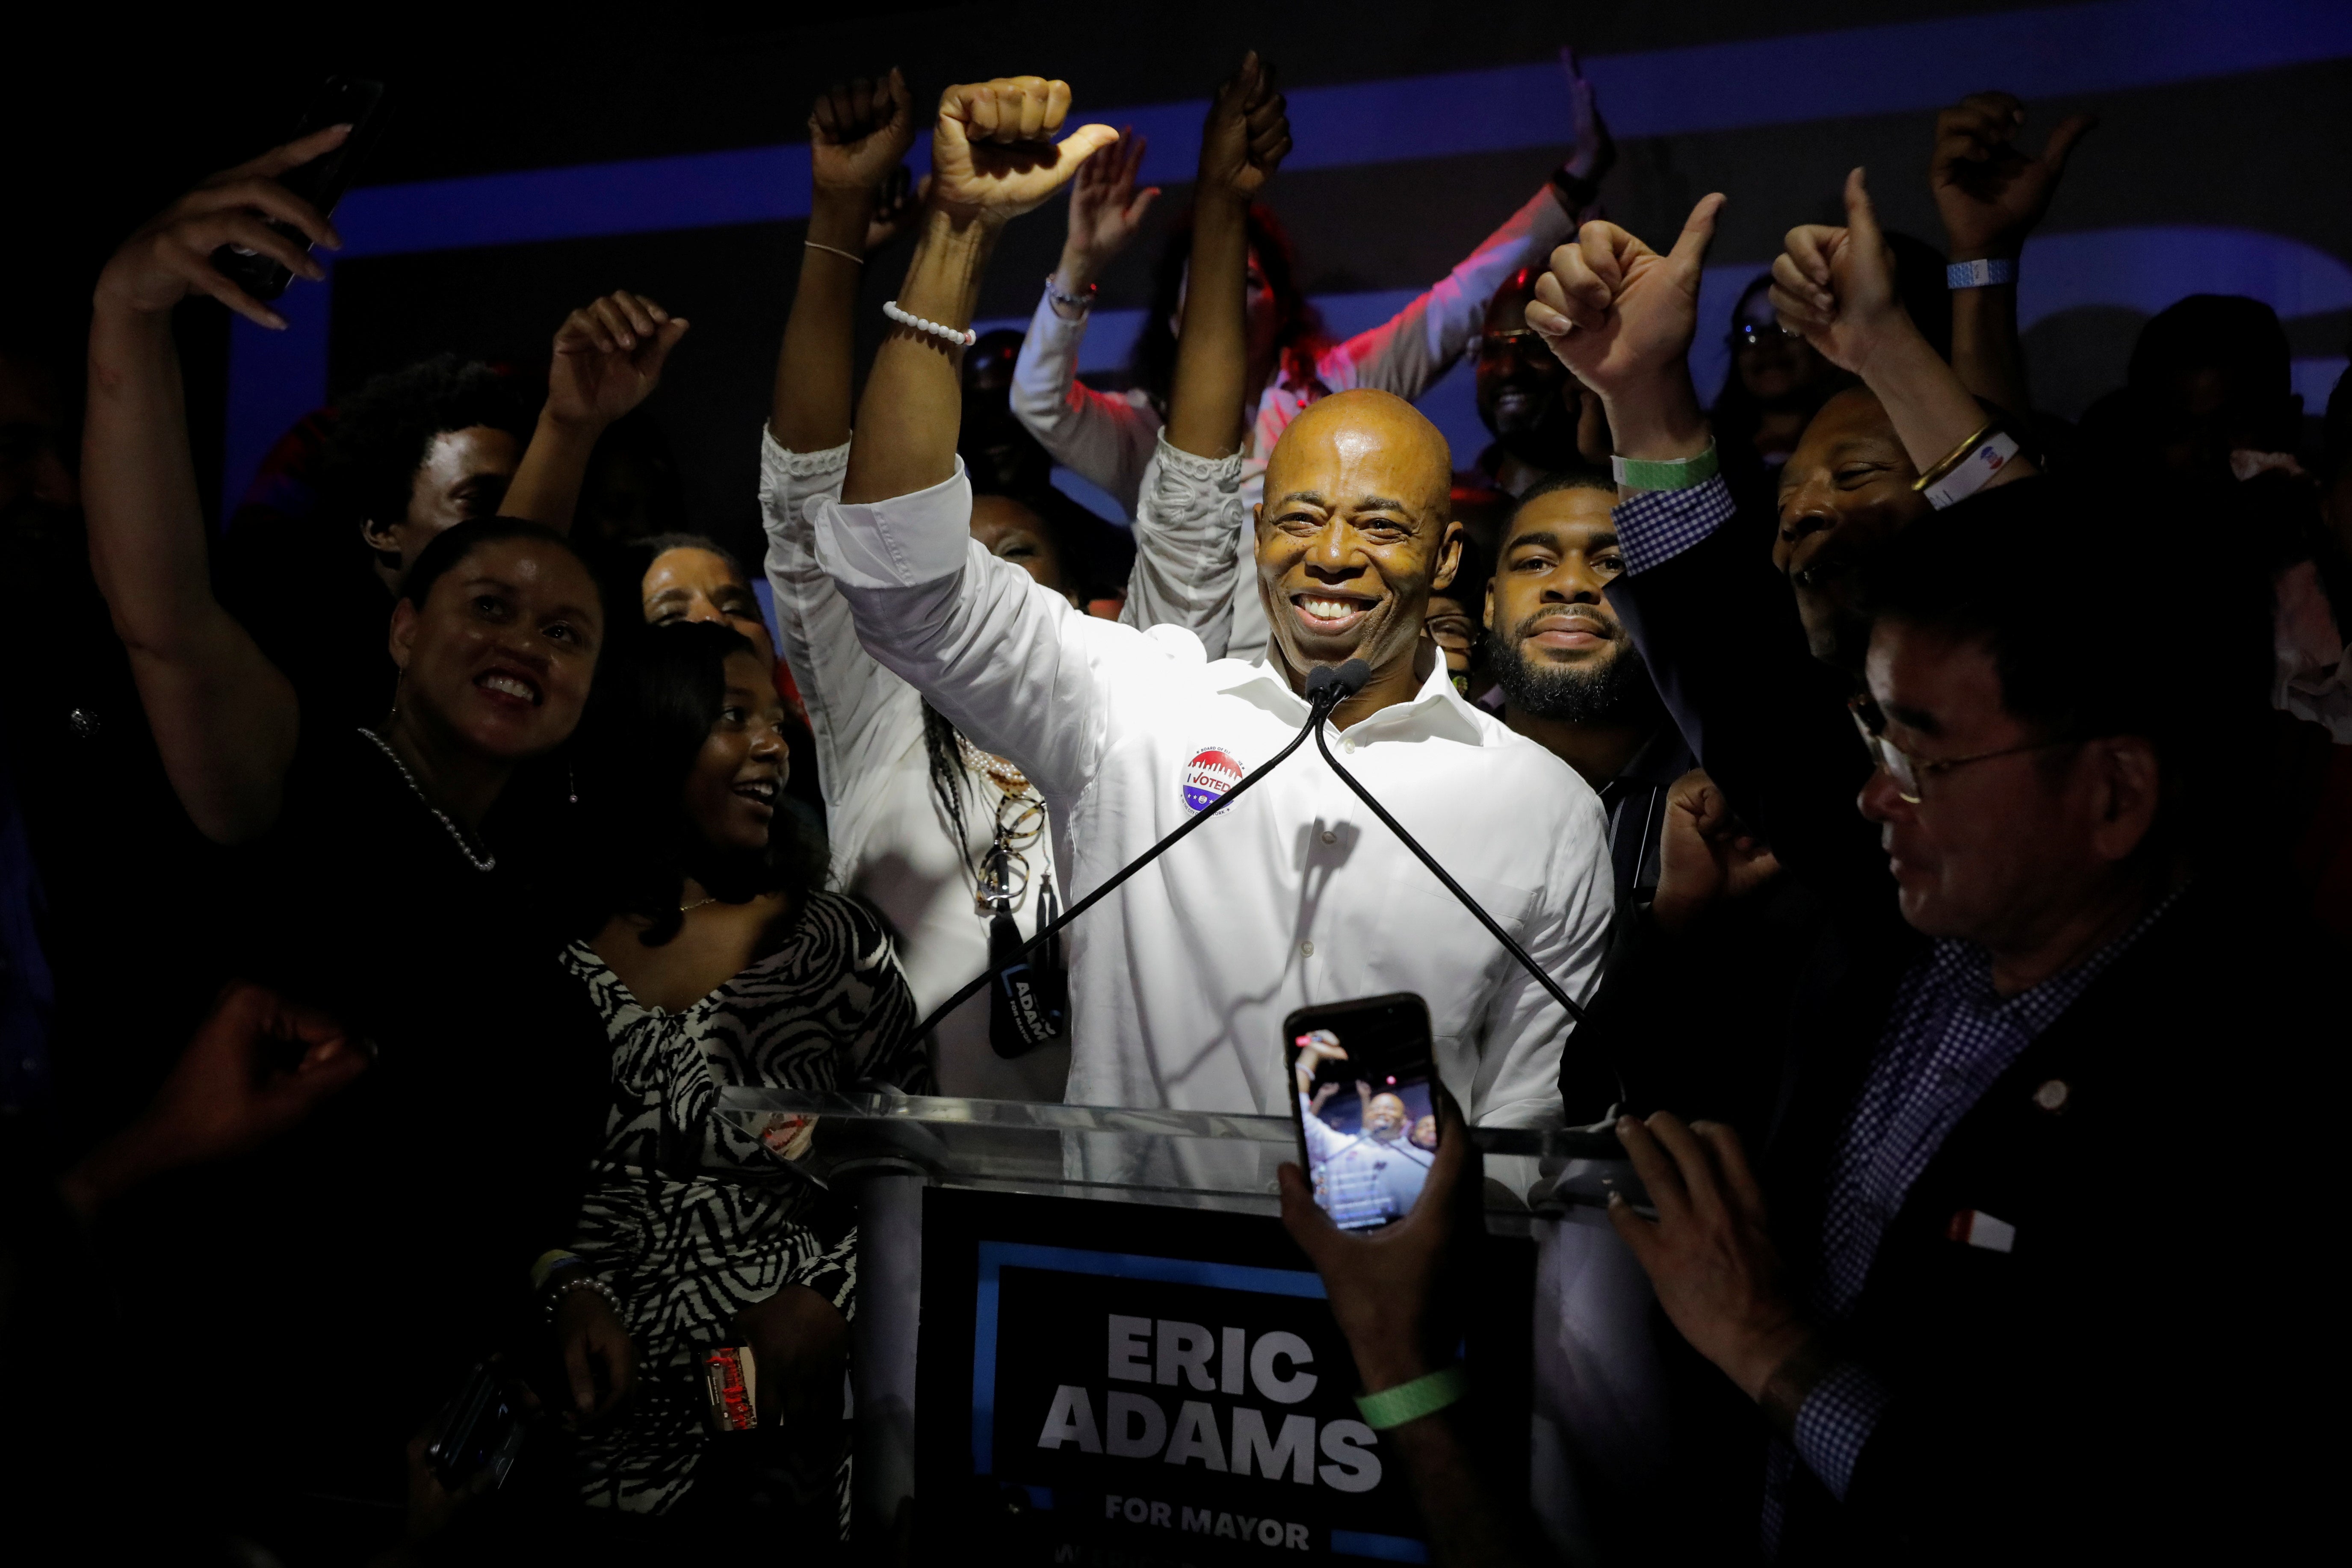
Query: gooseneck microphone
[
  {"x": 1350, "y": 678},
  {"x": 1325, "y": 690}
]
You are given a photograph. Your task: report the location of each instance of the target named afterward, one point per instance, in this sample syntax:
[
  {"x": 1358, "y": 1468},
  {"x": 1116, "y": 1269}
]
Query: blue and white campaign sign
[{"x": 1132, "y": 1398}]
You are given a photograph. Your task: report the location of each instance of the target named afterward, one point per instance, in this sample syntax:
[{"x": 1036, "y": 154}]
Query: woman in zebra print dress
[{"x": 716, "y": 968}]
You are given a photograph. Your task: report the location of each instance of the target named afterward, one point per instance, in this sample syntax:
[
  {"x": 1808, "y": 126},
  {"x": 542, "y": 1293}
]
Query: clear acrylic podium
[{"x": 883, "y": 1152}]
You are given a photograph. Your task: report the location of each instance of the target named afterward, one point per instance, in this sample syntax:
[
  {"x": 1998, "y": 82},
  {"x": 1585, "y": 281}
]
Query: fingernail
[
  {"x": 627, "y": 342},
  {"x": 1627, "y": 1124}
]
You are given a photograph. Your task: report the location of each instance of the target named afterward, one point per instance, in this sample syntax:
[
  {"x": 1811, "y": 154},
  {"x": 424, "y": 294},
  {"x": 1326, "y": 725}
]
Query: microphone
[
  {"x": 1351, "y": 677},
  {"x": 1325, "y": 690}
]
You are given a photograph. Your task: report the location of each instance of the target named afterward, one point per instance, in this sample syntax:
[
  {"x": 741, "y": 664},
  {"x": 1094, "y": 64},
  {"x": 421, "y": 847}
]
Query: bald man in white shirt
[{"x": 1295, "y": 895}]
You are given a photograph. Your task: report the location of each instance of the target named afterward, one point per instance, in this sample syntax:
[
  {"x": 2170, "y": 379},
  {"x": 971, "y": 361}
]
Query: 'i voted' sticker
[{"x": 1212, "y": 771}]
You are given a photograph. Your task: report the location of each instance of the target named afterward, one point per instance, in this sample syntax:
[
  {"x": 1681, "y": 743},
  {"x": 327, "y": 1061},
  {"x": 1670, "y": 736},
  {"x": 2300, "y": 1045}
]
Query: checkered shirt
[
  {"x": 1949, "y": 1037},
  {"x": 1655, "y": 526}
]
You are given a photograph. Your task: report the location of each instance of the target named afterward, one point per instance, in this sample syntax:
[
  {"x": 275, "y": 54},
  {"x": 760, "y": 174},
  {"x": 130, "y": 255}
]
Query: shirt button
[
  {"x": 1348, "y": 745},
  {"x": 1307, "y": 948},
  {"x": 1329, "y": 837}
]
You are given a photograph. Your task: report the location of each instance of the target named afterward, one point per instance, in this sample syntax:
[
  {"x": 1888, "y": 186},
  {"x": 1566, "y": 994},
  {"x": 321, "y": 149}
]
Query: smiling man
[
  {"x": 1571, "y": 679},
  {"x": 1294, "y": 894}
]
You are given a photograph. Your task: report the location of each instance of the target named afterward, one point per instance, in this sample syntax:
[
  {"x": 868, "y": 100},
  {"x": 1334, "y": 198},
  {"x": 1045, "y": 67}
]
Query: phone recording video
[{"x": 1367, "y": 1118}]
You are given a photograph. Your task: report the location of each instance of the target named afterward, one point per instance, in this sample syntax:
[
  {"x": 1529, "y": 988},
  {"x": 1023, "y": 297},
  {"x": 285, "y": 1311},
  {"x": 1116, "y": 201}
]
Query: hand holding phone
[
  {"x": 1368, "y": 1125},
  {"x": 321, "y": 182}
]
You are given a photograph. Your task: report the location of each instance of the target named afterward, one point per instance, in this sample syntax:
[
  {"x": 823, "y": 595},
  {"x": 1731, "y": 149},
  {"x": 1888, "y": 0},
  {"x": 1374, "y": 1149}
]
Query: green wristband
[
  {"x": 1412, "y": 1401},
  {"x": 1637, "y": 474}
]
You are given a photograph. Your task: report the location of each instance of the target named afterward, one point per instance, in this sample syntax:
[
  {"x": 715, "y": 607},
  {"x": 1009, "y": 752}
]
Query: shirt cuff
[
  {"x": 780, "y": 465},
  {"x": 1655, "y": 526},
  {"x": 1836, "y": 1420},
  {"x": 909, "y": 540}
]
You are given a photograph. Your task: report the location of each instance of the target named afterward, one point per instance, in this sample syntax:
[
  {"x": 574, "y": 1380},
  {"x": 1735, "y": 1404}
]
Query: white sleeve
[
  {"x": 1321, "y": 1142},
  {"x": 1515, "y": 1081},
  {"x": 1103, "y": 439},
  {"x": 861, "y": 715},
  {"x": 1011, "y": 663},
  {"x": 1188, "y": 524},
  {"x": 1408, "y": 353}
]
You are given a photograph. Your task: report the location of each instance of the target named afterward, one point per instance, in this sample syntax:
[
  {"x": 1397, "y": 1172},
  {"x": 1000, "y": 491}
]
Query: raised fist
[
  {"x": 992, "y": 157},
  {"x": 858, "y": 131},
  {"x": 1247, "y": 134}
]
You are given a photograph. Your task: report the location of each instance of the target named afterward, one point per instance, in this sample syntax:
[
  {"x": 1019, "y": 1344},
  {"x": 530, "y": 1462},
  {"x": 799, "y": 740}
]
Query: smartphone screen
[{"x": 1361, "y": 1076}]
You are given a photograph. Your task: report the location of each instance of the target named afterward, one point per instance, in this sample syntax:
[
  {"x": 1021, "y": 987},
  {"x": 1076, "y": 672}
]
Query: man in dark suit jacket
[{"x": 2003, "y": 1302}]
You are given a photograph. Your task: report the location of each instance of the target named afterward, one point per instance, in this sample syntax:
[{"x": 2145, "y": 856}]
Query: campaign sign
[{"x": 1113, "y": 1384}]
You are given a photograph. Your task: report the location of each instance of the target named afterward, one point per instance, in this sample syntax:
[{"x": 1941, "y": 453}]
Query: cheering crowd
[{"x": 1940, "y": 811}]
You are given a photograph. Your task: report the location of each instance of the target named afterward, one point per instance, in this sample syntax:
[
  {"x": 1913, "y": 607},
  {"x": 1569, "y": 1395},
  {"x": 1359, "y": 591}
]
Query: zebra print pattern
[{"x": 691, "y": 1217}]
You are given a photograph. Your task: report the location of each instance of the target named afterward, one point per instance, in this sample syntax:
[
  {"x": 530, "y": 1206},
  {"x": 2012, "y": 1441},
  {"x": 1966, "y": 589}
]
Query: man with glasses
[{"x": 1973, "y": 1315}]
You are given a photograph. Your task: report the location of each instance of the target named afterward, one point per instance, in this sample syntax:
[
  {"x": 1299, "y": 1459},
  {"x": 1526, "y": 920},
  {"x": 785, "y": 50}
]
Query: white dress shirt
[
  {"x": 1108, "y": 437},
  {"x": 1296, "y": 894},
  {"x": 891, "y": 842}
]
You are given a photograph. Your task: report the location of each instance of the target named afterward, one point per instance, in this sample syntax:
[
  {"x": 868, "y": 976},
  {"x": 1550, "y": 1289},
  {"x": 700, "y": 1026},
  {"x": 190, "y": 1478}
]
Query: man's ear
[
  {"x": 382, "y": 542},
  {"x": 1449, "y": 556},
  {"x": 1488, "y": 619},
  {"x": 403, "y": 632},
  {"x": 2130, "y": 781}
]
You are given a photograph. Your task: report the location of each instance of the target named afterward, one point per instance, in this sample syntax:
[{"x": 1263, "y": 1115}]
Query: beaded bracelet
[
  {"x": 1412, "y": 1401},
  {"x": 1079, "y": 303},
  {"x": 964, "y": 338},
  {"x": 567, "y": 1285}
]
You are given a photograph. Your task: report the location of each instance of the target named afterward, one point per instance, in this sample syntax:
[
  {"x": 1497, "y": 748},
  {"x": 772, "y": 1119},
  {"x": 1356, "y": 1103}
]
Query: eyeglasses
[
  {"x": 1759, "y": 334},
  {"x": 1907, "y": 771},
  {"x": 1520, "y": 343}
]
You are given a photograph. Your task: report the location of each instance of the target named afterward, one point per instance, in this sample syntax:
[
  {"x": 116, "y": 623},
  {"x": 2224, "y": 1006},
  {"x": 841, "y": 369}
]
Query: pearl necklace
[
  {"x": 1004, "y": 775},
  {"x": 456, "y": 834}
]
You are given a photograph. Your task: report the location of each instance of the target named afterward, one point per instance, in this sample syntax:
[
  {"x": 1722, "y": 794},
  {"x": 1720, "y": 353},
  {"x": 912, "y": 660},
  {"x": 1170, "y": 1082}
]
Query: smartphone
[
  {"x": 479, "y": 1429},
  {"x": 1363, "y": 1089},
  {"x": 343, "y": 100}
]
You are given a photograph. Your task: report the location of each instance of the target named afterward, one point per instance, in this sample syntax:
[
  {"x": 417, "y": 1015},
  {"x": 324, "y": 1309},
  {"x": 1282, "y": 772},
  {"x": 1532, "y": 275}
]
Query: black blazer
[{"x": 2125, "y": 1379}]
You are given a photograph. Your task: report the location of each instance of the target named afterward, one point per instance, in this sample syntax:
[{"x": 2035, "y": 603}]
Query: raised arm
[
  {"x": 1108, "y": 440},
  {"x": 1837, "y": 287},
  {"x": 1990, "y": 194},
  {"x": 1408, "y": 353},
  {"x": 988, "y": 165},
  {"x": 224, "y": 717},
  {"x": 608, "y": 359},
  {"x": 858, "y": 131},
  {"x": 1246, "y": 140},
  {"x": 858, "y": 711}
]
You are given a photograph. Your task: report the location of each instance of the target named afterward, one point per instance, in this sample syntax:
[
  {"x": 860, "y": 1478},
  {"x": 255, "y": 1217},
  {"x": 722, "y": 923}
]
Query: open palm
[{"x": 992, "y": 158}]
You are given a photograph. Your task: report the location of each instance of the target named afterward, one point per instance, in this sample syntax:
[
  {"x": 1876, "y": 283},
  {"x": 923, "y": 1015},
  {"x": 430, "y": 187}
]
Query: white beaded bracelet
[
  {"x": 566, "y": 1283},
  {"x": 962, "y": 338}
]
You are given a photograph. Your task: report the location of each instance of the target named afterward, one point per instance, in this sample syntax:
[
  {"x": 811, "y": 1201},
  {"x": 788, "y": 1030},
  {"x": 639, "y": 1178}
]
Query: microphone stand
[{"x": 1325, "y": 690}]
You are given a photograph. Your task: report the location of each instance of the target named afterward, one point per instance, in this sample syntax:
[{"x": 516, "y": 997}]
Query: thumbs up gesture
[
  {"x": 1618, "y": 313},
  {"x": 1836, "y": 286},
  {"x": 993, "y": 153}
]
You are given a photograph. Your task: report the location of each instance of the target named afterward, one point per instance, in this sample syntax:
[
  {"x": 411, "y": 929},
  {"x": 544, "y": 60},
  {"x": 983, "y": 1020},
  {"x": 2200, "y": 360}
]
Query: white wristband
[
  {"x": 1973, "y": 472},
  {"x": 962, "y": 338}
]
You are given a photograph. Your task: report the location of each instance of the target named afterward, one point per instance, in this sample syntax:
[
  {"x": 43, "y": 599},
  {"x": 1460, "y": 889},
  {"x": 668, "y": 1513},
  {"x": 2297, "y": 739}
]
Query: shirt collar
[{"x": 1435, "y": 709}]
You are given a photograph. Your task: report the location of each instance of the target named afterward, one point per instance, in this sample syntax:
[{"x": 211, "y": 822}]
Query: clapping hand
[
  {"x": 1988, "y": 190},
  {"x": 1837, "y": 286},
  {"x": 1247, "y": 134},
  {"x": 608, "y": 359},
  {"x": 992, "y": 158},
  {"x": 1617, "y": 313},
  {"x": 169, "y": 258}
]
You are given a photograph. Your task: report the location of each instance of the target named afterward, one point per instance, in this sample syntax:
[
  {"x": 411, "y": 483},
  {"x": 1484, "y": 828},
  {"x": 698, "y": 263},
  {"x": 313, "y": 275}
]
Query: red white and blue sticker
[{"x": 1212, "y": 771}]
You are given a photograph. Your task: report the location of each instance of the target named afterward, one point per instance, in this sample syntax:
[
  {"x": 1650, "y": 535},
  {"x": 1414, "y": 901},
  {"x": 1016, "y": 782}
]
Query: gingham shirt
[{"x": 1949, "y": 1037}]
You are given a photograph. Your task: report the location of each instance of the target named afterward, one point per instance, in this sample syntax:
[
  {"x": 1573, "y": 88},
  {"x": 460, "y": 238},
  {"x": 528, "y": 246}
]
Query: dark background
[{"x": 110, "y": 118}]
